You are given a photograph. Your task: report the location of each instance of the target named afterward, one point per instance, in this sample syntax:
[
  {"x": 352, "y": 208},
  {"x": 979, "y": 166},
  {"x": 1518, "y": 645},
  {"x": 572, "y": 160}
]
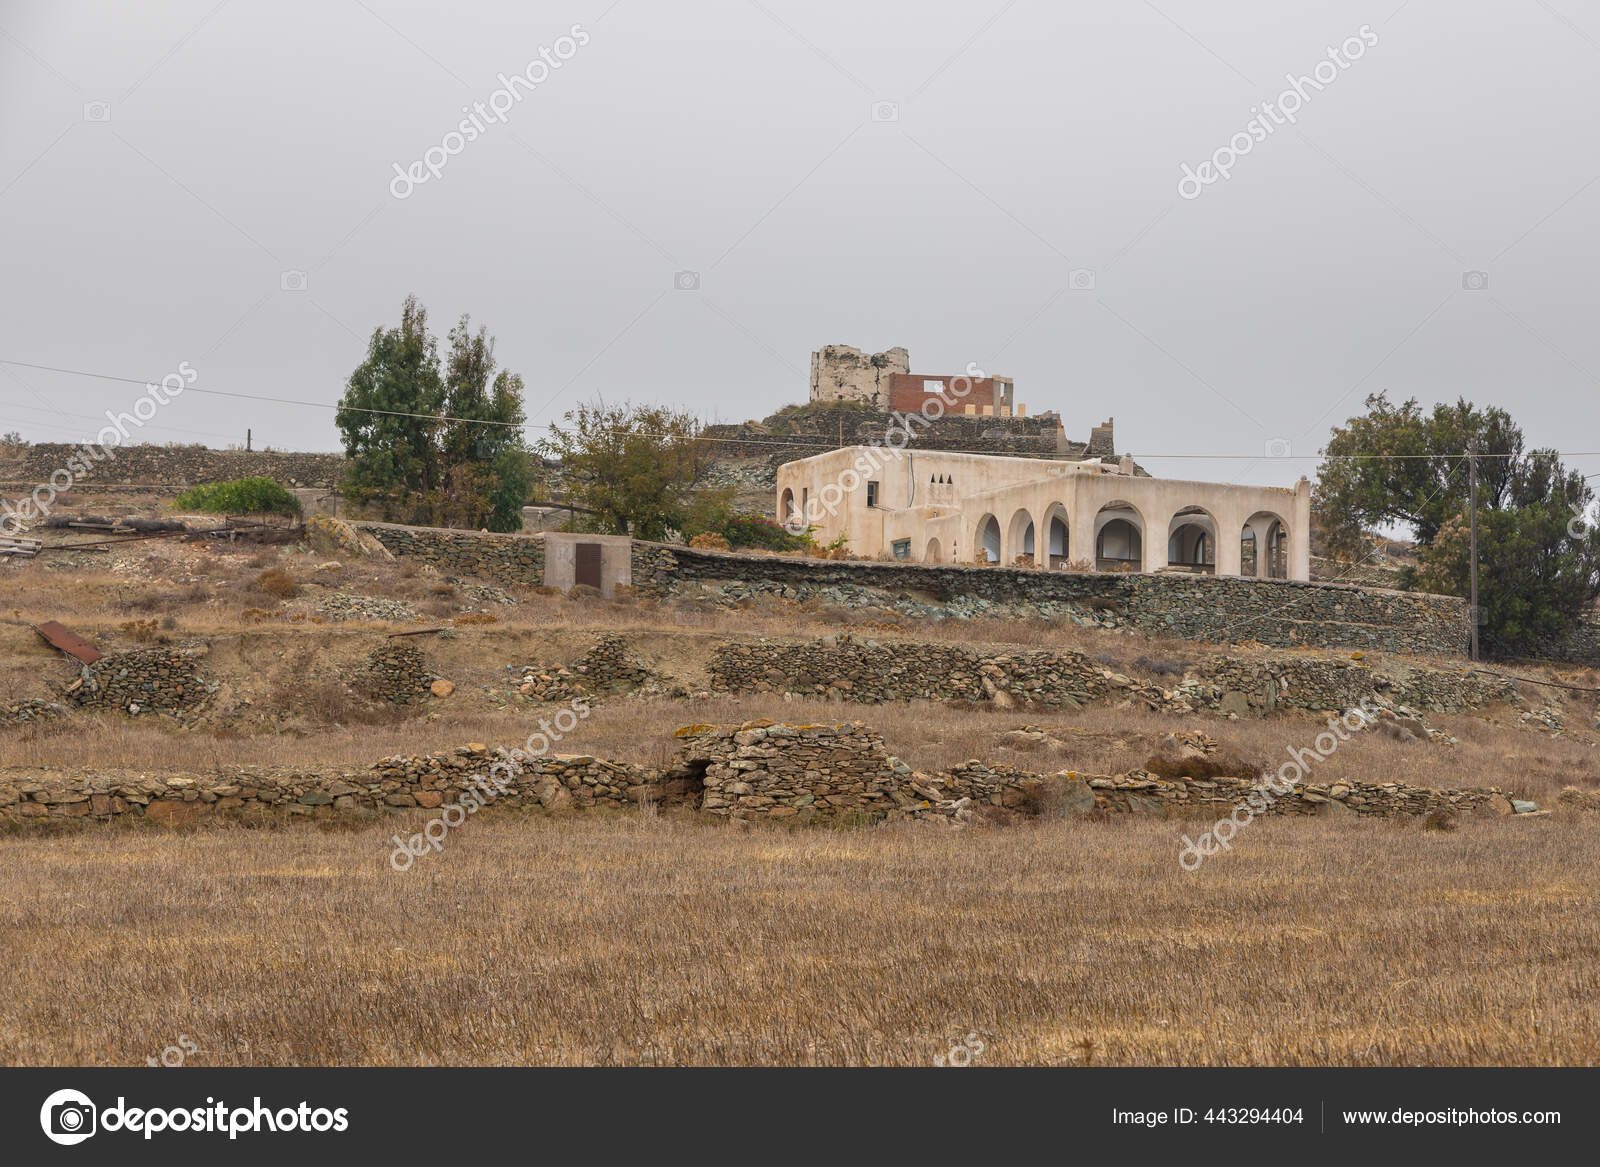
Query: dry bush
[
  {"x": 472, "y": 618},
  {"x": 711, "y": 541},
  {"x": 277, "y": 583},
  {"x": 1219, "y": 765},
  {"x": 145, "y": 631}
]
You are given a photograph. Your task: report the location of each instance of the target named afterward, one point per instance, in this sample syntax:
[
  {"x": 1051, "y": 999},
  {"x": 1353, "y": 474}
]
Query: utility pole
[
  {"x": 1472, "y": 587},
  {"x": 246, "y": 441}
]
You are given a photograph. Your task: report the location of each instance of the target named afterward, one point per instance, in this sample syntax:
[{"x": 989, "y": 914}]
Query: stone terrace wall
[
  {"x": 1281, "y": 613},
  {"x": 869, "y": 671},
  {"x": 1318, "y": 684},
  {"x": 804, "y": 435},
  {"x": 1277, "y": 612},
  {"x": 145, "y": 680},
  {"x": 399, "y": 783},
  {"x": 175, "y": 466},
  {"x": 759, "y": 771},
  {"x": 905, "y": 670},
  {"x": 511, "y": 559}
]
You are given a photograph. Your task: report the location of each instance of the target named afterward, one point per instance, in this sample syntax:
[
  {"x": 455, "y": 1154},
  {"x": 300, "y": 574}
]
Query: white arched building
[{"x": 931, "y": 506}]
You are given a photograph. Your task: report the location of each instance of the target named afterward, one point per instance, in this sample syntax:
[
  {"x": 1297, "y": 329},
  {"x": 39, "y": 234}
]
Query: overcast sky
[{"x": 991, "y": 182}]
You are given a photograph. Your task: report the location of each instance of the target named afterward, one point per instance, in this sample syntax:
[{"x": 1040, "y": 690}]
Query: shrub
[
  {"x": 752, "y": 530},
  {"x": 241, "y": 496},
  {"x": 710, "y": 541},
  {"x": 277, "y": 582},
  {"x": 1211, "y": 766}
]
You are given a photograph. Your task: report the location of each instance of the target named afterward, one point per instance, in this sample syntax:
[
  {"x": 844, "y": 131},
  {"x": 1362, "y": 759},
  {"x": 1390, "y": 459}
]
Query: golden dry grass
[{"x": 636, "y": 939}]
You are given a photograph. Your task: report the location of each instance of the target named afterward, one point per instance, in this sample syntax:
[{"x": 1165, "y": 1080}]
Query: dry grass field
[
  {"x": 643, "y": 938},
  {"x": 634, "y": 939}
]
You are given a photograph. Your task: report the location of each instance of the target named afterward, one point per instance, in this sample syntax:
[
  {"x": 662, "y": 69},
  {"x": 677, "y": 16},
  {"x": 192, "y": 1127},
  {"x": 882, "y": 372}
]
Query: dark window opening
[{"x": 872, "y": 494}]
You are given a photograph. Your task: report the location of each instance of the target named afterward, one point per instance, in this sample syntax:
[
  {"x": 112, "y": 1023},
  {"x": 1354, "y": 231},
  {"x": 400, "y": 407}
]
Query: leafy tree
[
  {"x": 630, "y": 466},
  {"x": 388, "y": 413},
  {"x": 1539, "y": 563},
  {"x": 241, "y": 496},
  {"x": 431, "y": 441}
]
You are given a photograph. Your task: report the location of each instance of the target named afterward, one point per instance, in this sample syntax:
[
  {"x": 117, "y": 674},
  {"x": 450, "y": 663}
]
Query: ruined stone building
[{"x": 885, "y": 381}]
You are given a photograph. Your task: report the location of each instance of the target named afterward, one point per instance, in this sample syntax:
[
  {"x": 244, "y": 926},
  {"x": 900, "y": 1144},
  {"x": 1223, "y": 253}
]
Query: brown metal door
[{"x": 588, "y": 565}]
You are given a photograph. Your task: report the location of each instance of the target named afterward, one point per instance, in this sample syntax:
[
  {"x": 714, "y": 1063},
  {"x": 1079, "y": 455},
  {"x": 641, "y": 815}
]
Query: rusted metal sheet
[{"x": 68, "y": 641}]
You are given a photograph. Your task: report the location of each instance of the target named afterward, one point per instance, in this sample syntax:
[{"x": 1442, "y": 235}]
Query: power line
[{"x": 799, "y": 441}]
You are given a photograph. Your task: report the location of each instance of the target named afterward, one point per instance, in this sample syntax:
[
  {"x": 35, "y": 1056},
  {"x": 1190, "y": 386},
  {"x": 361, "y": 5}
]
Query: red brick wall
[{"x": 906, "y": 394}]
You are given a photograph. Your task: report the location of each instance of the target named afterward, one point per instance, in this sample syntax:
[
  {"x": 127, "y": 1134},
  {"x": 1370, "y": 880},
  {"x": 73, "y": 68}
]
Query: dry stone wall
[
  {"x": 756, "y": 771},
  {"x": 1281, "y": 613},
  {"x": 396, "y": 673},
  {"x": 845, "y": 667},
  {"x": 508, "y": 559},
  {"x": 146, "y": 680},
  {"x": 174, "y": 466}
]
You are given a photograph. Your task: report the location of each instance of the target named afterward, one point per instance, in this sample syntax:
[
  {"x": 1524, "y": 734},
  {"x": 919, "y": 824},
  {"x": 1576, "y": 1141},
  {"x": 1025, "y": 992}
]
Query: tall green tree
[
  {"x": 1539, "y": 561},
  {"x": 434, "y": 441},
  {"x": 630, "y": 466},
  {"x": 387, "y": 416}
]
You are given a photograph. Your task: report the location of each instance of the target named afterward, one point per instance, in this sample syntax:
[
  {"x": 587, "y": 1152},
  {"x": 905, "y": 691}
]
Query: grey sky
[{"x": 738, "y": 139}]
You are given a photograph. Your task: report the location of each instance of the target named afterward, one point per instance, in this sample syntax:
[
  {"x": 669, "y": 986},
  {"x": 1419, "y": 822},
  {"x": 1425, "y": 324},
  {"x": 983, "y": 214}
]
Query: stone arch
[
  {"x": 1264, "y": 546},
  {"x": 986, "y": 545},
  {"x": 1119, "y": 537},
  {"x": 1057, "y": 549},
  {"x": 1020, "y": 539},
  {"x": 1192, "y": 540},
  {"x": 932, "y": 553}
]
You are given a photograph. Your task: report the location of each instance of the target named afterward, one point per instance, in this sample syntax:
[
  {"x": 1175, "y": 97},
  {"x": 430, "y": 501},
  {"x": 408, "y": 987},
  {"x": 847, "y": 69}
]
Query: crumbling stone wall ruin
[
  {"x": 397, "y": 673},
  {"x": 144, "y": 680},
  {"x": 756, "y": 771},
  {"x": 842, "y": 373}
]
